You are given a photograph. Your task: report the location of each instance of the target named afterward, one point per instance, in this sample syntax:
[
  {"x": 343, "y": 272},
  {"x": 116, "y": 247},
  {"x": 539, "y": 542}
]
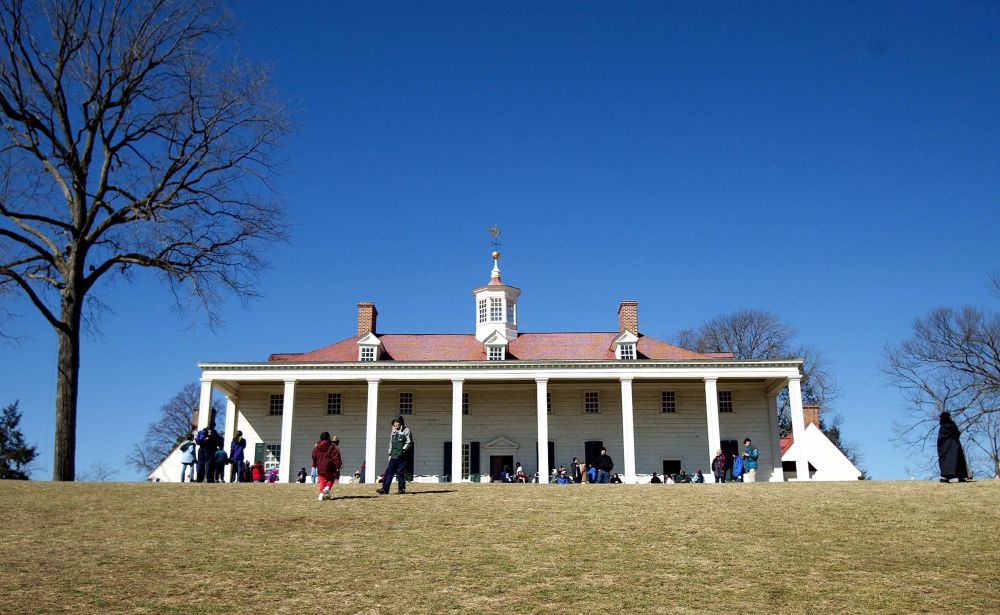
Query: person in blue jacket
[
  {"x": 750, "y": 454},
  {"x": 737, "y": 469},
  {"x": 236, "y": 456}
]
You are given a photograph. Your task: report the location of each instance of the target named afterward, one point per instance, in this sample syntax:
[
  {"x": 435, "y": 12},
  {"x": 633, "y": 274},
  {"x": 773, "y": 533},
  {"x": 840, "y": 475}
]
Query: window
[
  {"x": 333, "y": 403},
  {"x": 591, "y": 402},
  {"x": 626, "y": 352},
  {"x": 406, "y": 403},
  {"x": 367, "y": 353},
  {"x": 465, "y": 403},
  {"x": 495, "y": 353},
  {"x": 496, "y": 309},
  {"x": 548, "y": 404},
  {"x": 668, "y": 401},
  {"x": 272, "y": 456},
  {"x": 466, "y": 459},
  {"x": 510, "y": 313},
  {"x": 725, "y": 401},
  {"x": 482, "y": 310},
  {"x": 277, "y": 407}
]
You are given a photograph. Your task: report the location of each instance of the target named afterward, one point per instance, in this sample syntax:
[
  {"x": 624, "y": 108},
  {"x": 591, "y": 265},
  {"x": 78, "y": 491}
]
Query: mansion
[{"x": 496, "y": 396}]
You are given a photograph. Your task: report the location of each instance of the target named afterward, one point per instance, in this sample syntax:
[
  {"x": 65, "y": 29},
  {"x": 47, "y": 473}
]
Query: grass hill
[{"x": 888, "y": 547}]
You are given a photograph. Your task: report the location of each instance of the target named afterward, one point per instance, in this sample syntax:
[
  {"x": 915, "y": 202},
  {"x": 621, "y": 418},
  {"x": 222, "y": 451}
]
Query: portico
[{"x": 645, "y": 412}]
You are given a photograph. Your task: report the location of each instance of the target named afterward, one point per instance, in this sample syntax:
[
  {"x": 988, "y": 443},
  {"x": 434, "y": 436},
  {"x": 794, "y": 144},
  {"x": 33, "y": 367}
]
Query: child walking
[{"x": 326, "y": 459}]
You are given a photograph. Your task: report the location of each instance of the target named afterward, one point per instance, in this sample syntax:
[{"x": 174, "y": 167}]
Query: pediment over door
[{"x": 501, "y": 443}]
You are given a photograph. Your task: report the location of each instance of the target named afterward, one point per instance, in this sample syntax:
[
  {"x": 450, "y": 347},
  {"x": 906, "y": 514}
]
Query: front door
[{"x": 498, "y": 463}]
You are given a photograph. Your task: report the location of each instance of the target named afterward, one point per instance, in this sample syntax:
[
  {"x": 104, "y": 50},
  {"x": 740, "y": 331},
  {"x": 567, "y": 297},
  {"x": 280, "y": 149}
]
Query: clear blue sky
[{"x": 835, "y": 163}]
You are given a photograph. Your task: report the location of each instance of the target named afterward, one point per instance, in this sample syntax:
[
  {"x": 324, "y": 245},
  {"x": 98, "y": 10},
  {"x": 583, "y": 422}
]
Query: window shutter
[
  {"x": 474, "y": 458},
  {"x": 447, "y": 461}
]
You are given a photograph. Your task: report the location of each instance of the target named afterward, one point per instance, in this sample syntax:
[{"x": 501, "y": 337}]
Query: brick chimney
[
  {"x": 810, "y": 414},
  {"x": 628, "y": 316},
  {"x": 367, "y": 314}
]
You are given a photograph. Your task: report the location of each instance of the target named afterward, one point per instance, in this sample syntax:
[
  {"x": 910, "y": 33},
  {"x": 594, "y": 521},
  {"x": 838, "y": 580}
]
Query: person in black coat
[{"x": 951, "y": 458}]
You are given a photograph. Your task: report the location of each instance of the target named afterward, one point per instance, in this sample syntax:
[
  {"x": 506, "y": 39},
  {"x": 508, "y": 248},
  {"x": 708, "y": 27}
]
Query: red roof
[
  {"x": 785, "y": 444},
  {"x": 465, "y": 347}
]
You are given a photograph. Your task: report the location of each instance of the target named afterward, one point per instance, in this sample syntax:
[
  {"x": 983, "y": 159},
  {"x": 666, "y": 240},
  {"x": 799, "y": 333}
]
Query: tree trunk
[{"x": 67, "y": 389}]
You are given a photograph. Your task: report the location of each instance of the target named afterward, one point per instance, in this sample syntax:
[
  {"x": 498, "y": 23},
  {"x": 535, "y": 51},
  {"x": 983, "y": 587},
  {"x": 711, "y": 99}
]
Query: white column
[
  {"x": 628, "y": 431},
  {"x": 777, "y": 473},
  {"x": 798, "y": 428},
  {"x": 542, "y": 408},
  {"x": 230, "y": 430},
  {"x": 287, "y": 413},
  {"x": 205, "y": 404},
  {"x": 370, "y": 428},
  {"x": 712, "y": 418},
  {"x": 456, "y": 430}
]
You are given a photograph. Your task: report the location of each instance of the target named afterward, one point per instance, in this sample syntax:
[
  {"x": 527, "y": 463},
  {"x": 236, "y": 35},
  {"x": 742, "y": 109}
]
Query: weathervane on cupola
[
  {"x": 494, "y": 232},
  {"x": 496, "y": 303}
]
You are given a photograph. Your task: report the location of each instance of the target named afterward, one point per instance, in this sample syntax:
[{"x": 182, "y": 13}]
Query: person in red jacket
[
  {"x": 257, "y": 471},
  {"x": 326, "y": 458}
]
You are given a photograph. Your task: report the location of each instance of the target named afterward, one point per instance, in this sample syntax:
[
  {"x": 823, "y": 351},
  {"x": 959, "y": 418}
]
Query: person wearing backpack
[
  {"x": 208, "y": 442},
  {"x": 188, "y": 458}
]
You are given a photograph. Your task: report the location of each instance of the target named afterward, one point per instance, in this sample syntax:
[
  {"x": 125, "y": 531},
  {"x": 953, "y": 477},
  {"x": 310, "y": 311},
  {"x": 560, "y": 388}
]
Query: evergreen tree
[{"x": 15, "y": 455}]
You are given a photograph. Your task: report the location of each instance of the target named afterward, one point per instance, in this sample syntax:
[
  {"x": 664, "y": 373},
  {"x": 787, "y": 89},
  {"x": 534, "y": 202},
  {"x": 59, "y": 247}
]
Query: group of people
[
  {"x": 204, "y": 458},
  {"x": 678, "y": 478},
  {"x": 327, "y": 462},
  {"x": 742, "y": 467}
]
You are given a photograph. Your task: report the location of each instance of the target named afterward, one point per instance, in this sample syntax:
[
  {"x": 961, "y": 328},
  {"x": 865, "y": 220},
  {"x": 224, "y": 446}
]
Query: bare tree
[
  {"x": 951, "y": 363},
  {"x": 99, "y": 472},
  {"x": 757, "y": 334},
  {"x": 748, "y": 334},
  {"x": 168, "y": 431},
  {"x": 126, "y": 146}
]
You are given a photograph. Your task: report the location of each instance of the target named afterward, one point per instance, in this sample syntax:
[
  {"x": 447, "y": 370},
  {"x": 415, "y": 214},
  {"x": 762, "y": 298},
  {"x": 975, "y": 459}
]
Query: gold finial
[{"x": 496, "y": 254}]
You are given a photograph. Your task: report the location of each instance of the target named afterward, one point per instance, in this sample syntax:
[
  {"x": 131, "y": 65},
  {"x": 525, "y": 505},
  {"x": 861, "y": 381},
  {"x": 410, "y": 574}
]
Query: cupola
[{"x": 496, "y": 306}]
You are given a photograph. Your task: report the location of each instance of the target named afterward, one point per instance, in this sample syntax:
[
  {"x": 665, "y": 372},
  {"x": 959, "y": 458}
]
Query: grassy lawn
[{"x": 890, "y": 547}]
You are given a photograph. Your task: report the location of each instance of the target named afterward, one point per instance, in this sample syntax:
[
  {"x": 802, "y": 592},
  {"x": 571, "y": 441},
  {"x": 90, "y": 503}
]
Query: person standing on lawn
[
  {"x": 604, "y": 466},
  {"x": 719, "y": 466},
  {"x": 750, "y": 454},
  {"x": 400, "y": 444},
  {"x": 326, "y": 458},
  {"x": 237, "y": 450},
  {"x": 951, "y": 457},
  {"x": 188, "y": 458}
]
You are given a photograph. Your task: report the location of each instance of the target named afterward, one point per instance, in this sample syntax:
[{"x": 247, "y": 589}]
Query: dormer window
[
  {"x": 496, "y": 347},
  {"x": 625, "y": 346},
  {"x": 369, "y": 347}
]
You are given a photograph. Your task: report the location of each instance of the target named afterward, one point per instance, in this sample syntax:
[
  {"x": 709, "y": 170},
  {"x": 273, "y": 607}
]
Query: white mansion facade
[{"x": 477, "y": 402}]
